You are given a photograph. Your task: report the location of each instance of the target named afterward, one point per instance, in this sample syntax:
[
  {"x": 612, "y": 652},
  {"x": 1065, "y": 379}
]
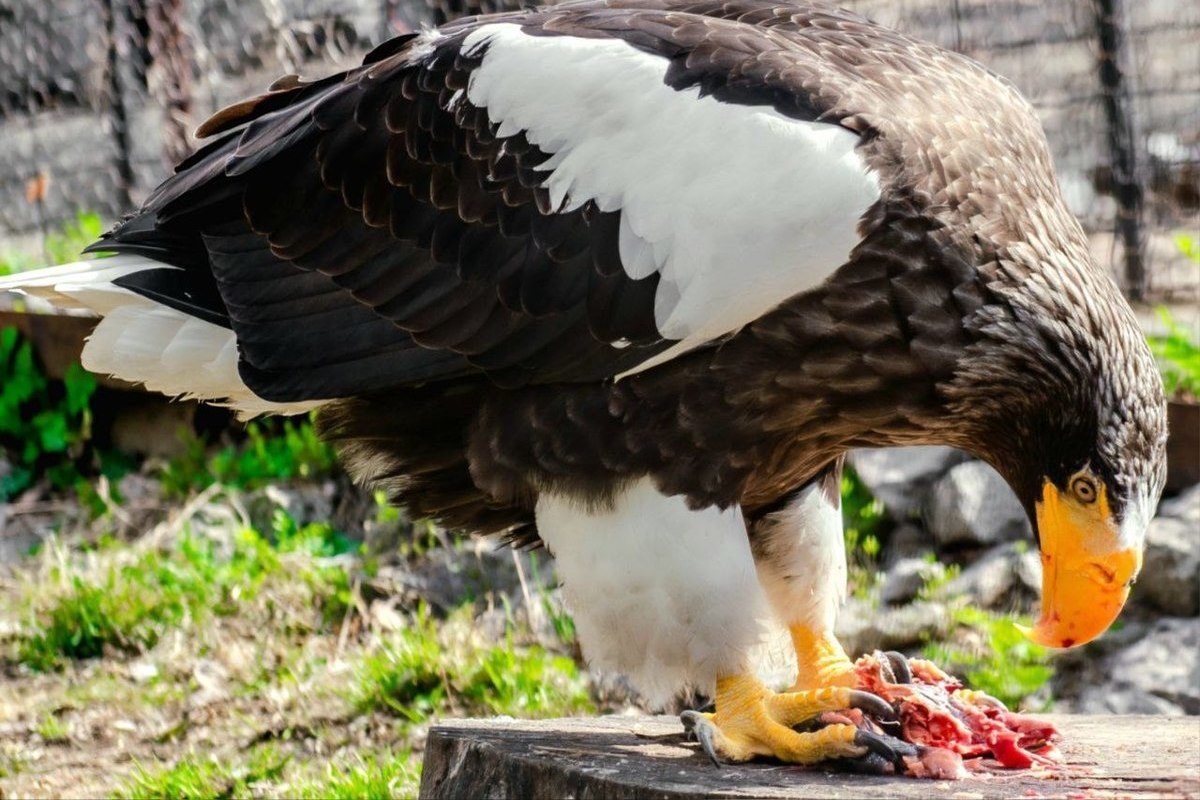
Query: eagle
[{"x": 630, "y": 278}]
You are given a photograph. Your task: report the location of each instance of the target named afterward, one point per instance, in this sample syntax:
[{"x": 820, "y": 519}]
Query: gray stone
[
  {"x": 862, "y": 628},
  {"x": 900, "y": 477},
  {"x": 972, "y": 504},
  {"x": 1184, "y": 506},
  {"x": 1029, "y": 568},
  {"x": 905, "y": 579},
  {"x": 448, "y": 577},
  {"x": 1122, "y": 700},
  {"x": 1170, "y": 578},
  {"x": 138, "y": 489},
  {"x": 536, "y": 614},
  {"x": 25, "y": 523},
  {"x": 303, "y": 502},
  {"x": 908, "y": 540},
  {"x": 1159, "y": 674},
  {"x": 1001, "y": 578}
]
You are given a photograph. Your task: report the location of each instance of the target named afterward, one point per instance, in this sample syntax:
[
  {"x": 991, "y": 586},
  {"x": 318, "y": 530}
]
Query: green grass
[
  {"x": 211, "y": 777},
  {"x": 987, "y": 649},
  {"x": 425, "y": 670},
  {"x": 273, "y": 451},
  {"x": 1178, "y": 355},
  {"x": 53, "y": 730},
  {"x": 1000, "y": 659},
  {"x": 59, "y": 247},
  {"x": 370, "y": 777},
  {"x": 865, "y": 523},
  {"x": 1189, "y": 246},
  {"x": 67, "y": 244},
  {"x": 373, "y": 776},
  {"x": 45, "y": 424},
  {"x": 939, "y": 575},
  {"x": 128, "y": 602}
]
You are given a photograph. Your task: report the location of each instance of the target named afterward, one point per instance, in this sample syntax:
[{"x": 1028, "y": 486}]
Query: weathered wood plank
[{"x": 648, "y": 757}]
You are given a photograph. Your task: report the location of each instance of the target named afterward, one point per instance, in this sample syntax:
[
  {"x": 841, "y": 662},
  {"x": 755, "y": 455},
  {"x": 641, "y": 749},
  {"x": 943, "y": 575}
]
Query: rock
[
  {"x": 143, "y": 671},
  {"x": 1029, "y": 568},
  {"x": 303, "y": 502},
  {"x": 448, "y": 577},
  {"x": 495, "y": 622},
  {"x": 1184, "y": 506},
  {"x": 1001, "y": 578},
  {"x": 862, "y": 628},
  {"x": 1170, "y": 578},
  {"x": 1107, "y": 700},
  {"x": 354, "y": 508},
  {"x": 18, "y": 540},
  {"x": 907, "y": 541},
  {"x": 212, "y": 683},
  {"x": 900, "y": 477},
  {"x": 905, "y": 579},
  {"x": 137, "y": 489},
  {"x": 1158, "y": 674},
  {"x": 22, "y": 528},
  {"x": 971, "y": 504}
]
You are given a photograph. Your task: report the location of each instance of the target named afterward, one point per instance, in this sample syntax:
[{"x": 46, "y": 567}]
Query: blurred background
[
  {"x": 190, "y": 605},
  {"x": 99, "y": 97}
]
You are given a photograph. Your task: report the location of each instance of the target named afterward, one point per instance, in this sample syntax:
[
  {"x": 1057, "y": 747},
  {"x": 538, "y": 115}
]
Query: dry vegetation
[{"x": 209, "y": 658}]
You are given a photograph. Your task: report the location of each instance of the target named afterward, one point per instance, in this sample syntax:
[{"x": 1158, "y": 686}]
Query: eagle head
[
  {"x": 1090, "y": 489},
  {"x": 1070, "y": 408}
]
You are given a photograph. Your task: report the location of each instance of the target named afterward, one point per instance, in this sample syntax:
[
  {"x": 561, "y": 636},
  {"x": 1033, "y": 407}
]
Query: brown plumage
[
  {"x": 641, "y": 272},
  {"x": 419, "y": 271}
]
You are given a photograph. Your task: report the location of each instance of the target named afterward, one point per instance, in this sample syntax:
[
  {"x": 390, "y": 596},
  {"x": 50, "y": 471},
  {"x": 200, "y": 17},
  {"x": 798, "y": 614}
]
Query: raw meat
[{"x": 948, "y": 723}]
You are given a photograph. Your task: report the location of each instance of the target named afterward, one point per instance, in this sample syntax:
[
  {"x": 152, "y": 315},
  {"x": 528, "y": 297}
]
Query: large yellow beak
[{"x": 1086, "y": 574}]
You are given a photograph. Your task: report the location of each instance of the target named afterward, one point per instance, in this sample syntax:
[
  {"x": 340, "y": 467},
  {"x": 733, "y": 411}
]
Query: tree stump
[{"x": 649, "y": 757}]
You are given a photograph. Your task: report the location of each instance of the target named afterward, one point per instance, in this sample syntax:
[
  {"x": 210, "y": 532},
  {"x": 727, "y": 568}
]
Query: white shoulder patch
[{"x": 736, "y": 207}]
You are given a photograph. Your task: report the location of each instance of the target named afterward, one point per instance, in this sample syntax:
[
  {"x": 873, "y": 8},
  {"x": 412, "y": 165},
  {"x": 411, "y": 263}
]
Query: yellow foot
[
  {"x": 821, "y": 660},
  {"x": 750, "y": 720}
]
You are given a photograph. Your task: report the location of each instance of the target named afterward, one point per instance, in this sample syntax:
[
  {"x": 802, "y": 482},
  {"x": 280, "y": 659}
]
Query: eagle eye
[{"x": 1084, "y": 489}]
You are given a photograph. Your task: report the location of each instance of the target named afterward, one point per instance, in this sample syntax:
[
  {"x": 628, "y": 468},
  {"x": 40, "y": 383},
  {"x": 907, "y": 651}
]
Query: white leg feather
[
  {"x": 659, "y": 592},
  {"x": 801, "y": 560}
]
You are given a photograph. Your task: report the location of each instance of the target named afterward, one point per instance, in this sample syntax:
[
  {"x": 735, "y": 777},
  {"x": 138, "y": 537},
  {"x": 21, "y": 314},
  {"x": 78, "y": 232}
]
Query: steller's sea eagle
[{"x": 631, "y": 277}]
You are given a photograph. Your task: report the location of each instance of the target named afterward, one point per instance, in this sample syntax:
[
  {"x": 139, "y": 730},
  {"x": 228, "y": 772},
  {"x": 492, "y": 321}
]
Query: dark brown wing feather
[
  {"x": 433, "y": 245},
  {"x": 360, "y": 238}
]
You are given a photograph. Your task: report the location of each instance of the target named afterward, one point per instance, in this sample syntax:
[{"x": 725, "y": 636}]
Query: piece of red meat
[
  {"x": 936, "y": 763},
  {"x": 952, "y": 725}
]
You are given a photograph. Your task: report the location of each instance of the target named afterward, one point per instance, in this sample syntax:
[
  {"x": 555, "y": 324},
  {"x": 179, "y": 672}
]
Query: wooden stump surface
[{"x": 649, "y": 757}]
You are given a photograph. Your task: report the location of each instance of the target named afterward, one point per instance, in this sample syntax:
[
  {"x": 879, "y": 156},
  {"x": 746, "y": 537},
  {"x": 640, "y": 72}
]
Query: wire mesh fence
[{"x": 99, "y": 97}]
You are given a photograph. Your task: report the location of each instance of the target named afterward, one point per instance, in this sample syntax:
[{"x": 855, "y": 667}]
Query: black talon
[
  {"x": 695, "y": 724},
  {"x": 870, "y": 764},
  {"x": 887, "y": 747},
  {"x": 872, "y": 705},
  {"x": 899, "y": 666}
]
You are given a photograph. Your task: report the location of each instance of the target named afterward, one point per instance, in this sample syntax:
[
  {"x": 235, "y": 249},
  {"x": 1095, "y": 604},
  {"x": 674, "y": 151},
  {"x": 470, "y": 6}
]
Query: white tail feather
[
  {"x": 60, "y": 285},
  {"x": 141, "y": 341}
]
